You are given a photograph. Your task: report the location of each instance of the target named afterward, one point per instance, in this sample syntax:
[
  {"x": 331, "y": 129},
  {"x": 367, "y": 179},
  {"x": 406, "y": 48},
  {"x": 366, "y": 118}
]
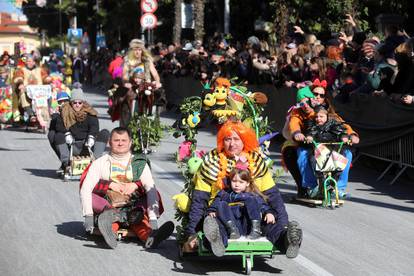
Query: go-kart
[
  {"x": 244, "y": 247},
  {"x": 77, "y": 164},
  {"x": 328, "y": 164}
]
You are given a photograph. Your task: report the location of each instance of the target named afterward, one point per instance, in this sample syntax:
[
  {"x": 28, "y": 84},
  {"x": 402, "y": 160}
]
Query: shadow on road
[
  {"x": 76, "y": 230},
  {"x": 206, "y": 265},
  {"x": 43, "y": 172},
  {"x": 72, "y": 229},
  {"x": 382, "y": 204},
  {"x": 6, "y": 149}
]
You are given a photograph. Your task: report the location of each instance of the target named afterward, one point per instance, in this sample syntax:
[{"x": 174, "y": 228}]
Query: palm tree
[
  {"x": 281, "y": 19},
  {"x": 177, "y": 22},
  {"x": 199, "y": 19}
]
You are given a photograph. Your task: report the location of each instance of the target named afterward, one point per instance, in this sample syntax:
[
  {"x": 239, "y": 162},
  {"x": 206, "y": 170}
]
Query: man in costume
[
  {"x": 234, "y": 140},
  {"x": 122, "y": 173}
]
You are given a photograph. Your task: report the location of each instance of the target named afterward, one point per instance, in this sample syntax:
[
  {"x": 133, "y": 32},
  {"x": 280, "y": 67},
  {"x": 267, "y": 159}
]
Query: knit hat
[
  {"x": 304, "y": 92},
  {"x": 77, "y": 95},
  {"x": 136, "y": 43},
  {"x": 62, "y": 96}
]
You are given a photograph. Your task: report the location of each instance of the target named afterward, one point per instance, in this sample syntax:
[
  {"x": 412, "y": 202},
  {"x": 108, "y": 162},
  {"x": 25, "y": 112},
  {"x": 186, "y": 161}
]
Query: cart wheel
[
  {"x": 333, "y": 205},
  {"x": 119, "y": 238},
  {"x": 248, "y": 265}
]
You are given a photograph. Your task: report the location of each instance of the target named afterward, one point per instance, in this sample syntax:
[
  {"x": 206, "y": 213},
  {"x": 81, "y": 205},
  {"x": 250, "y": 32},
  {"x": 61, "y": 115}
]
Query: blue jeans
[{"x": 308, "y": 174}]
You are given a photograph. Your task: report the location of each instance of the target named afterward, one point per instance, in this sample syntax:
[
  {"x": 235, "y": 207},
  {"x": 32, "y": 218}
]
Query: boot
[
  {"x": 232, "y": 230},
  {"x": 212, "y": 232},
  {"x": 293, "y": 239},
  {"x": 160, "y": 234},
  {"x": 255, "y": 232},
  {"x": 105, "y": 220}
]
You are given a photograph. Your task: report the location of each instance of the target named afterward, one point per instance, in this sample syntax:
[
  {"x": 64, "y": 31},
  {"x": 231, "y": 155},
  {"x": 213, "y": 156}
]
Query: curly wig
[{"x": 245, "y": 133}]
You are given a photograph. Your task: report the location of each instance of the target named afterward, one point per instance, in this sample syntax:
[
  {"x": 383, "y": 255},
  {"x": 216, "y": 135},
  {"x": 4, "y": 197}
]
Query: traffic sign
[
  {"x": 148, "y": 21},
  {"x": 149, "y": 6}
]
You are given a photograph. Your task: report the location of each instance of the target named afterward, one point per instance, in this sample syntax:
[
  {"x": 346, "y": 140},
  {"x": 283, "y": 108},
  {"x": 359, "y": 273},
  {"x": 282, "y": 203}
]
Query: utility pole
[
  {"x": 75, "y": 19},
  {"x": 226, "y": 16},
  {"x": 97, "y": 11},
  {"x": 60, "y": 25}
]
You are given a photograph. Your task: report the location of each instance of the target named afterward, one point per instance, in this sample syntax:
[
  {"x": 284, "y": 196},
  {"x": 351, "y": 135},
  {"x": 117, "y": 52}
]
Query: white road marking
[
  {"x": 311, "y": 266},
  {"x": 300, "y": 259}
]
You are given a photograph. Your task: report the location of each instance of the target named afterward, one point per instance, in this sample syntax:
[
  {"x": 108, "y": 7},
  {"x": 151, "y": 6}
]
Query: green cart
[{"x": 243, "y": 247}]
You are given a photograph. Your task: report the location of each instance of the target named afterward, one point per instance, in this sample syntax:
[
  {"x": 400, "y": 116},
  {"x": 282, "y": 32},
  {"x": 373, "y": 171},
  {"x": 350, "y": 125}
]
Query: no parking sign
[
  {"x": 149, "y": 6},
  {"x": 148, "y": 21}
]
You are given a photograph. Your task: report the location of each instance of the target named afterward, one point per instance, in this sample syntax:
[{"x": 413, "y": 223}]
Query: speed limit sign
[
  {"x": 149, "y": 5},
  {"x": 148, "y": 21}
]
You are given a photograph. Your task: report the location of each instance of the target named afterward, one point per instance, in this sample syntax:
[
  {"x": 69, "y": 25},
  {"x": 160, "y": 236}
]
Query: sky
[{"x": 6, "y": 6}]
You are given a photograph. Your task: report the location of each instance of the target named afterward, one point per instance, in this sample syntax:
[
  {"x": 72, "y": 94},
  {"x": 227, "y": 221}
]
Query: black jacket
[
  {"x": 80, "y": 130},
  {"x": 331, "y": 131}
]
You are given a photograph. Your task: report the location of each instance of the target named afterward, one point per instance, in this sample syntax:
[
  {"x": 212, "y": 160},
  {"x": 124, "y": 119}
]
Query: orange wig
[
  {"x": 222, "y": 82},
  {"x": 245, "y": 133}
]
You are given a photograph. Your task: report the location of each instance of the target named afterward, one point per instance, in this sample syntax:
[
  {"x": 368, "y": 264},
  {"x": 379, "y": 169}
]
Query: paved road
[{"x": 42, "y": 231}]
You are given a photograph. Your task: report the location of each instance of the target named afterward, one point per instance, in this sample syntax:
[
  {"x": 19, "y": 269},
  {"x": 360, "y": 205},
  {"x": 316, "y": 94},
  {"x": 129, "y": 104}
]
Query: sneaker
[
  {"x": 294, "y": 239},
  {"x": 212, "y": 232},
  {"x": 313, "y": 192},
  {"x": 105, "y": 220},
  {"x": 343, "y": 195},
  {"x": 157, "y": 236}
]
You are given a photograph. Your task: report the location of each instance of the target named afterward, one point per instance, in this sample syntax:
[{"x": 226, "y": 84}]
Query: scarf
[{"x": 71, "y": 117}]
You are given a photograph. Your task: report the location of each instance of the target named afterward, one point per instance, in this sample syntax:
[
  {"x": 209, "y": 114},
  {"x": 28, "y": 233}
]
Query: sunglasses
[
  {"x": 77, "y": 102},
  {"x": 318, "y": 94}
]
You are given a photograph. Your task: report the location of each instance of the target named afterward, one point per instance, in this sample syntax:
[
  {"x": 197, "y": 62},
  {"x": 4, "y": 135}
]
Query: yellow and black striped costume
[{"x": 206, "y": 178}]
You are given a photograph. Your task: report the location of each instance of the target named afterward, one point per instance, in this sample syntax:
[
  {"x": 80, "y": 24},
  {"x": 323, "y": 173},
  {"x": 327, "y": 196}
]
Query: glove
[
  {"x": 69, "y": 138},
  {"x": 89, "y": 223},
  {"x": 90, "y": 141}
]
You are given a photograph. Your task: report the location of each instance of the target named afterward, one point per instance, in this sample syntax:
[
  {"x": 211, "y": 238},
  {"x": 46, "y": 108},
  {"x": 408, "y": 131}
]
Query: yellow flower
[{"x": 182, "y": 202}]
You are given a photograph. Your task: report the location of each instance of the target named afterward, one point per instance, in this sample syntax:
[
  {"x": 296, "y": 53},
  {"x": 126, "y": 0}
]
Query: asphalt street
[{"x": 42, "y": 227}]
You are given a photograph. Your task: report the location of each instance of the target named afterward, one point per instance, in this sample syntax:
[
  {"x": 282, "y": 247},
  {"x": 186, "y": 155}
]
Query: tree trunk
[
  {"x": 281, "y": 20},
  {"x": 177, "y": 22},
  {"x": 199, "y": 19}
]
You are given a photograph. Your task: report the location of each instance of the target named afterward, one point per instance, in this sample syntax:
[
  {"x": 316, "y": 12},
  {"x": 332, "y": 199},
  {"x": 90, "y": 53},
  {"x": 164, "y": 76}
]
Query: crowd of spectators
[{"x": 350, "y": 62}]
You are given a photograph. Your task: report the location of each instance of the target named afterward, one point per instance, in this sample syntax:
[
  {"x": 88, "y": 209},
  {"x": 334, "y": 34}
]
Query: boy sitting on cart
[{"x": 234, "y": 140}]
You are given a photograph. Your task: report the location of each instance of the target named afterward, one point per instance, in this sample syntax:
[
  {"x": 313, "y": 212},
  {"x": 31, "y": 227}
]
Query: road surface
[{"x": 42, "y": 227}]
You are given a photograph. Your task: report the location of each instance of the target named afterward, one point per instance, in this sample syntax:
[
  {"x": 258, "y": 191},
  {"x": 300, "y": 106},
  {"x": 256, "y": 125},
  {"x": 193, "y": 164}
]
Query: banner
[{"x": 40, "y": 94}]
